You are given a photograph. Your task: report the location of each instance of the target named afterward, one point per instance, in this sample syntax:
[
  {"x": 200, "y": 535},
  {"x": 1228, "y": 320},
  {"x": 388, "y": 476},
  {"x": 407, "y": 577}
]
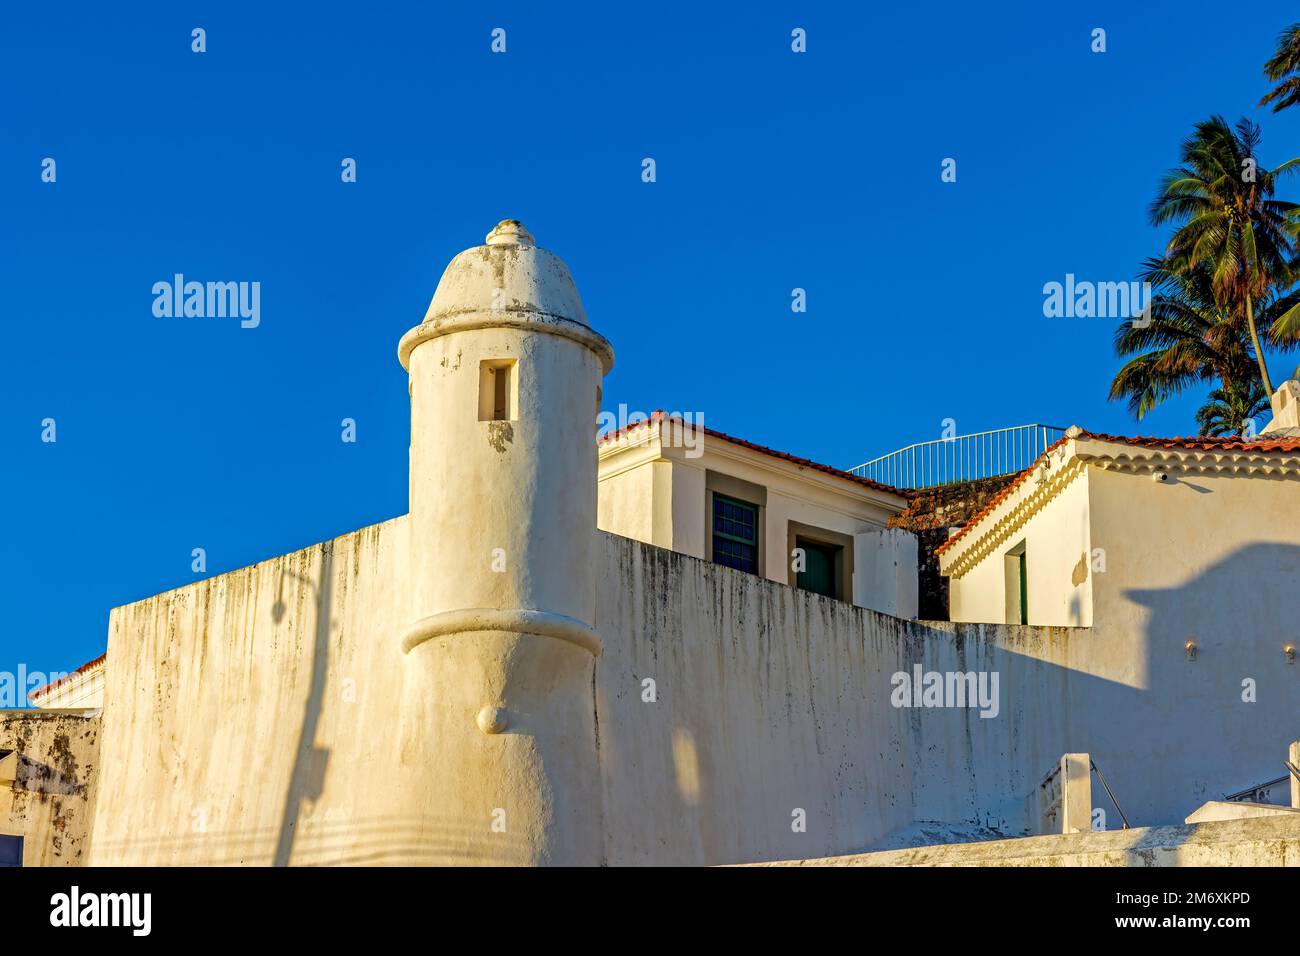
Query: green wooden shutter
[
  {"x": 1024, "y": 590},
  {"x": 819, "y": 572}
]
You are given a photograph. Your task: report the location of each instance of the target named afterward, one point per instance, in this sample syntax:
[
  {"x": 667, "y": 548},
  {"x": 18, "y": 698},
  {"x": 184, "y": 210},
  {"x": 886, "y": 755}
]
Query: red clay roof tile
[{"x": 45, "y": 689}]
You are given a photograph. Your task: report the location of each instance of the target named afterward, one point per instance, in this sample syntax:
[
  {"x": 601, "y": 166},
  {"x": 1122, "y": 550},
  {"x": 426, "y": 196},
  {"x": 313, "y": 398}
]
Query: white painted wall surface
[
  {"x": 1214, "y": 559},
  {"x": 230, "y": 735},
  {"x": 250, "y": 718},
  {"x": 772, "y": 699},
  {"x": 884, "y": 572},
  {"x": 687, "y": 480},
  {"x": 623, "y": 503},
  {"x": 1057, "y": 543},
  {"x": 769, "y": 700}
]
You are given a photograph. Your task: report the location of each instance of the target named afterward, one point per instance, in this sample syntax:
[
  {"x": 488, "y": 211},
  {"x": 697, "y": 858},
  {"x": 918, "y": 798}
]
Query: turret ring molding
[
  {"x": 525, "y": 319},
  {"x": 466, "y": 620}
]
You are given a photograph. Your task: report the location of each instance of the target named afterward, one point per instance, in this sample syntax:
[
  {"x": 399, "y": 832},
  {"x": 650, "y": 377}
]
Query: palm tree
[
  {"x": 1284, "y": 66},
  {"x": 1230, "y": 407},
  {"x": 1221, "y": 201},
  {"x": 1187, "y": 338}
]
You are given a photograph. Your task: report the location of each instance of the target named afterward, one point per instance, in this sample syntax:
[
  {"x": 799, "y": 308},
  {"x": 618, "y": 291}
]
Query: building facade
[
  {"x": 1185, "y": 535},
  {"x": 700, "y": 492}
]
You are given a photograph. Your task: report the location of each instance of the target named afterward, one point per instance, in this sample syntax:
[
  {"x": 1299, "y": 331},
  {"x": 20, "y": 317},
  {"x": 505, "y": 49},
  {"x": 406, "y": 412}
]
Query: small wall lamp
[
  {"x": 1289, "y": 651},
  {"x": 1190, "y": 648}
]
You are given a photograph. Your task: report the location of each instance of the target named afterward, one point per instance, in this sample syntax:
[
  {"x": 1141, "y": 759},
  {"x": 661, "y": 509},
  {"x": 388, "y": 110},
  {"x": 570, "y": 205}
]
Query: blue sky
[{"x": 774, "y": 171}]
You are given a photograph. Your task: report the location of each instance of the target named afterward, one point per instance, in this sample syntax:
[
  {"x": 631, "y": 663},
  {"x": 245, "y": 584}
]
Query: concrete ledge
[
  {"x": 1257, "y": 841},
  {"x": 1218, "y": 810}
]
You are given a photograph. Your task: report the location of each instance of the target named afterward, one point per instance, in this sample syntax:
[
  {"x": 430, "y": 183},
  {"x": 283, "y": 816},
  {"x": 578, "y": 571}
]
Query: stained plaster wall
[
  {"x": 49, "y": 800},
  {"x": 252, "y": 718}
]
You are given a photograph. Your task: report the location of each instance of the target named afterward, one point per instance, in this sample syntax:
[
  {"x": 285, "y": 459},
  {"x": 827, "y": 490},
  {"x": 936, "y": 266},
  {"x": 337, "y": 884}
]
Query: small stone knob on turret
[{"x": 510, "y": 232}]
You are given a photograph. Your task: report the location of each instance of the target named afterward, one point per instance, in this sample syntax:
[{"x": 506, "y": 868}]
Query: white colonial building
[
  {"x": 1186, "y": 535},
  {"x": 697, "y": 491}
]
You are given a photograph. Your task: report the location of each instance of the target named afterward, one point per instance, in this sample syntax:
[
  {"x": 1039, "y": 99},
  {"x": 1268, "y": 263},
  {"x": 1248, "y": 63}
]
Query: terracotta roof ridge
[
  {"x": 88, "y": 666},
  {"x": 1203, "y": 442}
]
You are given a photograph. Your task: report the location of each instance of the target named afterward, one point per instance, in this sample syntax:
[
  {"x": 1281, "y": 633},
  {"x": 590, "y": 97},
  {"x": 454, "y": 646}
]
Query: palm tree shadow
[
  {"x": 1241, "y": 667},
  {"x": 1170, "y": 730}
]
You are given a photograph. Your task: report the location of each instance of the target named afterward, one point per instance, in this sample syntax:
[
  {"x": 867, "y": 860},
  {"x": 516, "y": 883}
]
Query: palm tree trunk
[{"x": 1259, "y": 353}]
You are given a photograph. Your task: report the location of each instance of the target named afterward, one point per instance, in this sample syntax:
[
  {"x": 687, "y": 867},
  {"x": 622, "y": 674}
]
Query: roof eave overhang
[{"x": 1057, "y": 469}]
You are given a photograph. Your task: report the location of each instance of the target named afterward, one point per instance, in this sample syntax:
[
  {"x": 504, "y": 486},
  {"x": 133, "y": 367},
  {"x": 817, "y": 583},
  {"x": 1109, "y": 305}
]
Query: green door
[
  {"x": 1024, "y": 590},
  {"x": 819, "y": 571}
]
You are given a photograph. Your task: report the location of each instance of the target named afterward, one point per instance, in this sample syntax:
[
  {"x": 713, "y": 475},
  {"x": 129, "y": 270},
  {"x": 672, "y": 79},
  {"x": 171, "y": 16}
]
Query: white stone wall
[
  {"x": 768, "y": 701},
  {"x": 250, "y": 718},
  {"x": 771, "y": 699},
  {"x": 254, "y": 718},
  {"x": 626, "y": 502}
]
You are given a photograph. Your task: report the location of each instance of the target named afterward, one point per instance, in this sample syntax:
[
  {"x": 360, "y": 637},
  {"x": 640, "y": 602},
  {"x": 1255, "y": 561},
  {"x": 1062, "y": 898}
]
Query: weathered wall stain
[
  {"x": 500, "y": 434},
  {"x": 50, "y": 803},
  {"x": 768, "y": 700}
]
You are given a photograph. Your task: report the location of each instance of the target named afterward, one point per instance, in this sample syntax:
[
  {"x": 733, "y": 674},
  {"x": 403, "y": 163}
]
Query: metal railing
[
  {"x": 1002, "y": 451},
  {"x": 1255, "y": 794}
]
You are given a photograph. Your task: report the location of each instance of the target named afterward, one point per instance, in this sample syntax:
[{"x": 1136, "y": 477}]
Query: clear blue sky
[{"x": 775, "y": 171}]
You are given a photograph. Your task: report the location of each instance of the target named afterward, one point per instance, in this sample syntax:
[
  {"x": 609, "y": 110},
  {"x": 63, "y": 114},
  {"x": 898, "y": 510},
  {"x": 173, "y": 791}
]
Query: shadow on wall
[
  {"x": 40, "y": 778},
  {"x": 1240, "y": 614},
  {"x": 307, "y": 782},
  {"x": 1169, "y": 730}
]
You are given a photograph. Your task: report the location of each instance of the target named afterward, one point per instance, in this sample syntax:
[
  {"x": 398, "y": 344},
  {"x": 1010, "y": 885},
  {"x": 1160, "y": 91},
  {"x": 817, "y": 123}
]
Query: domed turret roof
[
  {"x": 509, "y": 280},
  {"x": 511, "y": 273}
]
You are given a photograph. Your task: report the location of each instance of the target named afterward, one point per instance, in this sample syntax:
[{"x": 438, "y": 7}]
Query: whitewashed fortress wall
[{"x": 231, "y": 734}]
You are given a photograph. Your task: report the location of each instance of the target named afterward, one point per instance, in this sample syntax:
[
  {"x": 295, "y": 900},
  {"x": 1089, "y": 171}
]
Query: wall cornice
[{"x": 1148, "y": 461}]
